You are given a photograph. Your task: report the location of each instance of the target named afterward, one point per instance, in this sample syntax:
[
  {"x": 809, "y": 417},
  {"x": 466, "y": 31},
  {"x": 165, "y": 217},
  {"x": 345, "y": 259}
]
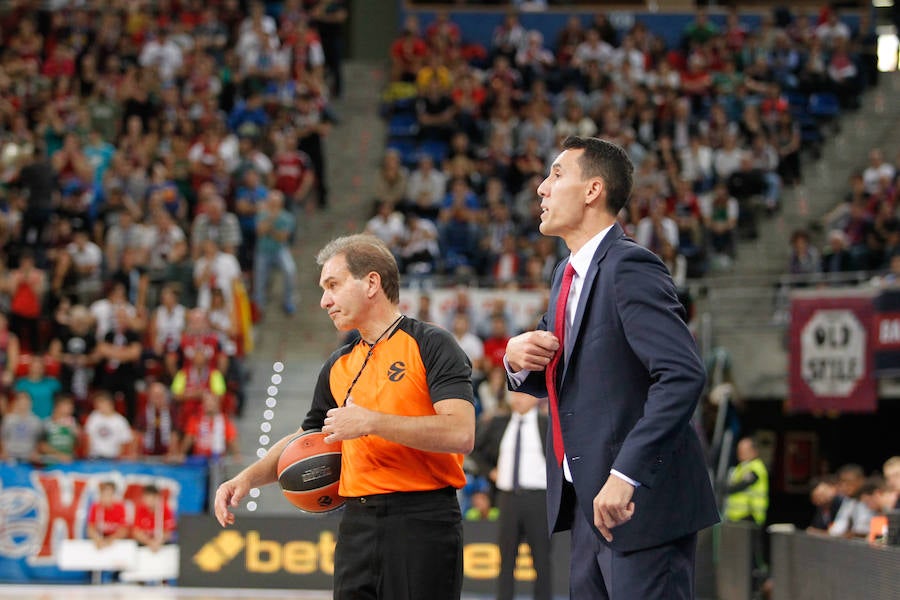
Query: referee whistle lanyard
[{"x": 368, "y": 356}]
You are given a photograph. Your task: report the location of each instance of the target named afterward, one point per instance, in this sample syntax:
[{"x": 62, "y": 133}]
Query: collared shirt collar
[{"x": 581, "y": 260}]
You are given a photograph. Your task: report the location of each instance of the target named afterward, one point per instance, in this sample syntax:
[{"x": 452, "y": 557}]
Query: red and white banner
[{"x": 831, "y": 361}]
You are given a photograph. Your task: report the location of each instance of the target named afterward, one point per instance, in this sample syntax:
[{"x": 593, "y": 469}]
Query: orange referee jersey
[{"x": 418, "y": 365}]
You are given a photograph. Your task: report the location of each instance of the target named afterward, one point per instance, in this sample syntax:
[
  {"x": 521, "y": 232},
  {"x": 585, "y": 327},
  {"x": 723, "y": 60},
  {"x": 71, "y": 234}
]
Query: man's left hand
[
  {"x": 613, "y": 505},
  {"x": 347, "y": 422}
]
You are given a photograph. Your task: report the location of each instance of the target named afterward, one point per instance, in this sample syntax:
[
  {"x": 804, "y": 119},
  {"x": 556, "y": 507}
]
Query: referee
[{"x": 400, "y": 400}]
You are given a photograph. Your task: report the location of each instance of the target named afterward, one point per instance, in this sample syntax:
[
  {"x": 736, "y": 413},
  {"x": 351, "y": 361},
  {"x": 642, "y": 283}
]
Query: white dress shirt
[
  {"x": 532, "y": 464},
  {"x": 581, "y": 262}
]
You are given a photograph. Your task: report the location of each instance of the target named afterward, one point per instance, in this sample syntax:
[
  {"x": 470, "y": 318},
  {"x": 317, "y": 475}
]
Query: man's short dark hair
[{"x": 610, "y": 163}]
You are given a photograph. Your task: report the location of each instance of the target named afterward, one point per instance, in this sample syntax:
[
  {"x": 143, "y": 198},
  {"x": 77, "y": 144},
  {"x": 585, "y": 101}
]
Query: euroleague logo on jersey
[{"x": 397, "y": 371}]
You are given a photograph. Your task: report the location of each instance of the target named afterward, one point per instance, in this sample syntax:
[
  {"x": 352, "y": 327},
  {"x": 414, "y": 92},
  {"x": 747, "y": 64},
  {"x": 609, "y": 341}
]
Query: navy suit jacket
[{"x": 628, "y": 387}]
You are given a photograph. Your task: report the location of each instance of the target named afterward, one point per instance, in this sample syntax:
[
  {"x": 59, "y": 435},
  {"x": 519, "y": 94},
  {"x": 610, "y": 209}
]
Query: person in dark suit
[
  {"x": 521, "y": 489},
  {"x": 626, "y": 471}
]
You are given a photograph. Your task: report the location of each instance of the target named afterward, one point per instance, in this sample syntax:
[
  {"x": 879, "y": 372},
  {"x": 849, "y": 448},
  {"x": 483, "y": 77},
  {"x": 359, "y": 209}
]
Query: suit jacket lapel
[{"x": 587, "y": 290}]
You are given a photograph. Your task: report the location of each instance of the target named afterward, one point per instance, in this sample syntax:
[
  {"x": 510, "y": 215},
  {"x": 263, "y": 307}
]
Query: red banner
[{"x": 831, "y": 361}]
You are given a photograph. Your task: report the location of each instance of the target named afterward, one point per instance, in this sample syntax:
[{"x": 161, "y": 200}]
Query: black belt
[{"x": 401, "y": 498}]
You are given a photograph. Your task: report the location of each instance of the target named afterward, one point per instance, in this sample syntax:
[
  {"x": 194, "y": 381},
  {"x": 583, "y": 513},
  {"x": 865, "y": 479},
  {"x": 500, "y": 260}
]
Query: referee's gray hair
[{"x": 365, "y": 253}]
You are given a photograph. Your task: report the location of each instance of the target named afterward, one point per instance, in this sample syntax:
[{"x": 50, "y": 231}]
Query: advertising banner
[
  {"x": 298, "y": 553},
  {"x": 831, "y": 354},
  {"x": 41, "y": 507}
]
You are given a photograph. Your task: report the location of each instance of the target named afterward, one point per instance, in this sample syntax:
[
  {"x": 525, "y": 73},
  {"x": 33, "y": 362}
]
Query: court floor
[{"x": 138, "y": 592}]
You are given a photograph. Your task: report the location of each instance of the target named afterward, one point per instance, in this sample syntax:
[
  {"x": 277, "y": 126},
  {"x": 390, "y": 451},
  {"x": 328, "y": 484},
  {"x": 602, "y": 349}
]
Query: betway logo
[{"x": 268, "y": 556}]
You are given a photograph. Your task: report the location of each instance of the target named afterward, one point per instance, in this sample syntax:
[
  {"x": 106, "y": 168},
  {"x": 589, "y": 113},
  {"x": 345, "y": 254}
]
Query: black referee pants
[{"x": 401, "y": 546}]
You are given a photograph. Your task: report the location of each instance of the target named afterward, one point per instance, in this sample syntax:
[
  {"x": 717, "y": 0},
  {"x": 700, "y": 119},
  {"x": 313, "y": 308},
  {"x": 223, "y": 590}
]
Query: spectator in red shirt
[
  {"x": 495, "y": 344},
  {"x": 212, "y": 433},
  {"x": 154, "y": 523},
  {"x": 408, "y": 52},
  {"x": 106, "y": 520},
  {"x": 294, "y": 175}
]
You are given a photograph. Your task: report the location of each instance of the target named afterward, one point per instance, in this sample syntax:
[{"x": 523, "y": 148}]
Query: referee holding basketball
[{"x": 401, "y": 402}]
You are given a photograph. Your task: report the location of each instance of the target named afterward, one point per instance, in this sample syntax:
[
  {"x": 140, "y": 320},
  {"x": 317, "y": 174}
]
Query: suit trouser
[
  {"x": 523, "y": 515},
  {"x": 401, "y": 546},
  {"x": 664, "y": 572}
]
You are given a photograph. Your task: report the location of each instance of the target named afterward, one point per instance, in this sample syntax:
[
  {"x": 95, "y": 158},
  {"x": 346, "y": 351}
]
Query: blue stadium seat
[
  {"x": 406, "y": 148},
  {"x": 403, "y": 126},
  {"x": 824, "y": 105},
  {"x": 437, "y": 150}
]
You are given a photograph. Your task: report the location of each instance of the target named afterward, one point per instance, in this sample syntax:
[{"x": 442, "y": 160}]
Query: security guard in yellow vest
[{"x": 748, "y": 486}]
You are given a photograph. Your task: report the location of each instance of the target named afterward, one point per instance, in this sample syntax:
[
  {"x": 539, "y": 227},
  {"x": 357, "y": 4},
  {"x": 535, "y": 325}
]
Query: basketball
[{"x": 309, "y": 472}]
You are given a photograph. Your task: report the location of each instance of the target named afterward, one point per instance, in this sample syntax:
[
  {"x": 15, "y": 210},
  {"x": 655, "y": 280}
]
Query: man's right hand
[
  {"x": 531, "y": 350},
  {"x": 228, "y": 496}
]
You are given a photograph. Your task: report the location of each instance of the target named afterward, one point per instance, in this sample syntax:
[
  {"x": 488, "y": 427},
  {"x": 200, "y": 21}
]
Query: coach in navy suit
[{"x": 625, "y": 469}]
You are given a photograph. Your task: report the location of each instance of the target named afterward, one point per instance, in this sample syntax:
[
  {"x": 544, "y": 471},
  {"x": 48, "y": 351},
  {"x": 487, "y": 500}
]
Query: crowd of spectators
[
  {"x": 154, "y": 157},
  {"x": 848, "y": 504},
  {"x": 714, "y": 125},
  {"x": 862, "y": 231}
]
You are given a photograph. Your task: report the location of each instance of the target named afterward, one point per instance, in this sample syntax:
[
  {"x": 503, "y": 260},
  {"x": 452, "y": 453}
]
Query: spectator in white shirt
[
  {"x": 214, "y": 268},
  {"x": 163, "y": 54},
  {"x": 108, "y": 432},
  {"x": 427, "y": 185},
  {"x": 877, "y": 170},
  {"x": 388, "y": 226}
]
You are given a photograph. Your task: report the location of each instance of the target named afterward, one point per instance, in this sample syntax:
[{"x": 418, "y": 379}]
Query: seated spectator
[
  {"x": 420, "y": 250},
  {"x": 20, "y": 431},
  {"x": 108, "y": 433},
  {"x": 9, "y": 354},
  {"x": 495, "y": 341},
  {"x": 826, "y": 500},
  {"x": 156, "y": 424},
  {"x": 435, "y": 113},
  {"x": 878, "y": 497},
  {"x": 106, "y": 519},
  {"x": 127, "y": 233},
  {"x": 720, "y": 216},
  {"x": 167, "y": 323},
  {"x": 61, "y": 432},
  {"x": 197, "y": 377},
  {"x": 40, "y": 387},
  {"x": 837, "y": 257},
  {"x": 119, "y": 362},
  {"x": 154, "y": 524},
  {"x": 469, "y": 342},
  {"x": 481, "y": 508},
  {"x": 805, "y": 259},
  {"x": 387, "y": 225},
  {"x": 877, "y": 170},
  {"x": 222, "y": 323},
  {"x": 657, "y": 228},
  {"x": 105, "y": 310},
  {"x": 211, "y": 434},
  {"x": 891, "y": 472},
  {"x": 492, "y": 393},
  {"x": 391, "y": 179},
  {"x": 79, "y": 268},
  {"x": 853, "y": 518}
]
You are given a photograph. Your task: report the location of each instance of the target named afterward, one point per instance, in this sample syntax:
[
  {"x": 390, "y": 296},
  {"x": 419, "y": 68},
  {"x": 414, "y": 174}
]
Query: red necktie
[{"x": 559, "y": 328}]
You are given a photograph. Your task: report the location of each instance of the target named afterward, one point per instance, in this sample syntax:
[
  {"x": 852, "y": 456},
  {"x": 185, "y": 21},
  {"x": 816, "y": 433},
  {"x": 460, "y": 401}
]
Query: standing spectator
[
  {"x": 26, "y": 287},
  {"x": 154, "y": 524},
  {"x": 162, "y": 54},
  {"x": 837, "y": 257},
  {"x": 108, "y": 433},
  {"x": 274, "y": 227},
  {"x": 748, "y": 486},
  {"x": 167, "y": 323},
  {"x": 20, "y": 431},
  {"x": 38, "y": 180},
  {"x": 119, "y": 354},
  {"x": 510, "y": 451},
  {"x": 156, "y": 424},
  {"x": 251, "y": 194},
  {"x": 191, "y": 382},
  {"x": 294, "y": 174},
  {"x": 106, "y": 519},
  {"x": 81, "y": 263},
  {"x": 214, "y": 268},
  {"x": 328, "y": 18},
  {"x": 313, "y": 124},
  {"x": 215, "y": 224},
  {"x": 211, "y": 434},
  {"x": 61, "y": 431}
]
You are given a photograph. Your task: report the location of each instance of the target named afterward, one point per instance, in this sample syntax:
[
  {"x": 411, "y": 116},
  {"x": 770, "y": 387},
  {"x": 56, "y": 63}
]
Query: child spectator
[
  {"x": 211, "y": 434},
  {"x": 108, "y": 432},
  {"x": 20, "y": 431},
  {"x": 61, "y": 431},
  {"x": 106, "y": 520},
  {"x": 154, "y": 523}
]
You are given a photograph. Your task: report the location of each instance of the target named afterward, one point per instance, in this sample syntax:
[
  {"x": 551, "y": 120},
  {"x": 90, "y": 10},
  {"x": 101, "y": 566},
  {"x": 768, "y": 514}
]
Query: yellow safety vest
[{"x": 752, "y": 501}]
